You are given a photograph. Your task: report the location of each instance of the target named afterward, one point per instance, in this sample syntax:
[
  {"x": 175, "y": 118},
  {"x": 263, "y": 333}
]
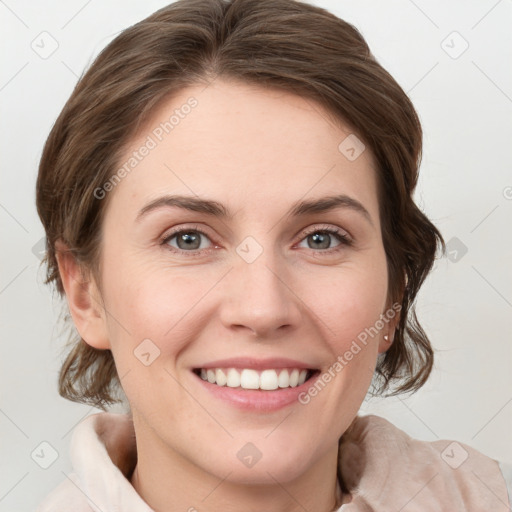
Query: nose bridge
[{"x": 259, "y": 296}]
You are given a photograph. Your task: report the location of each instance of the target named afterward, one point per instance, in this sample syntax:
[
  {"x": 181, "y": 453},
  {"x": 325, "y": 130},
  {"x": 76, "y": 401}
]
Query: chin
[
  {"x": 267, "y": 473},
  {"x": 259, "y": 465}
]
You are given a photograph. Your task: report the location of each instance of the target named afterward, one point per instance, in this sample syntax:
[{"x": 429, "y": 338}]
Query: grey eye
[{"x": 186, "y": 240}]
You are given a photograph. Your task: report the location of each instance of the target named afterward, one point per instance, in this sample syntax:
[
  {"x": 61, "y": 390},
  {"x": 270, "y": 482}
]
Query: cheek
[
  {"x": 156, "y": 305},
  {"x": 170, "y": 306},
  {"x": 347, "y": 300},
  {"x": 152, "y": 321}
]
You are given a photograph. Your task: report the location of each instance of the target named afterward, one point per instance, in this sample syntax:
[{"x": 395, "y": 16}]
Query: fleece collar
[{"x": 381, "y": 469}]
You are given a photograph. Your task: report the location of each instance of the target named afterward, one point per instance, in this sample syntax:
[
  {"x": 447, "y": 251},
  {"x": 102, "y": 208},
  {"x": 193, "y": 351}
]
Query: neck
[{"x": 166, "y": 481}]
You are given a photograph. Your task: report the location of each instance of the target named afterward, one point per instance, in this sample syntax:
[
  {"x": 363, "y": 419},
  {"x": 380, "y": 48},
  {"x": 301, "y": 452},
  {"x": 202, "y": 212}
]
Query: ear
[
  {"x": 84, "y": 299},
  {"x": 387, "y": 334}
]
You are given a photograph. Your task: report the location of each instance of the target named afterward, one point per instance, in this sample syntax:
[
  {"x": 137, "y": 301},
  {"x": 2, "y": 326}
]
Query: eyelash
[{"x": 344, "y": 239}]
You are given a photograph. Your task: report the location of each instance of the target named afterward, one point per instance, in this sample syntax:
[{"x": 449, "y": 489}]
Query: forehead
[{"x": 245, "y": 144}]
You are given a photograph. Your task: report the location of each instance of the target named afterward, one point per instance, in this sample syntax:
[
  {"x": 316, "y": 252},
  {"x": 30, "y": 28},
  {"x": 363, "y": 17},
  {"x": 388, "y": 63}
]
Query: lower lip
[{"x": 255, "y": 399}]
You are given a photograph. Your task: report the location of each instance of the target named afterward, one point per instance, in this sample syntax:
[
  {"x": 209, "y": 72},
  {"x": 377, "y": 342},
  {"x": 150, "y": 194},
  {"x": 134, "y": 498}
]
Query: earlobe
[
  {"x": 385, "y": 342},
  {"x": 389, "y": 334},
  {"x": 83, "y": 299}
]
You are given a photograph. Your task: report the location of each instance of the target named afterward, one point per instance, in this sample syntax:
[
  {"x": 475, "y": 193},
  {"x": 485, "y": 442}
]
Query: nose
[{"x": 259, "y": 297}]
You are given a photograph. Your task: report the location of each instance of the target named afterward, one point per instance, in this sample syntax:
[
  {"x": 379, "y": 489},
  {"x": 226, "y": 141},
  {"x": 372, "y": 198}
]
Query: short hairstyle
[{"x": 285, "y": 45}]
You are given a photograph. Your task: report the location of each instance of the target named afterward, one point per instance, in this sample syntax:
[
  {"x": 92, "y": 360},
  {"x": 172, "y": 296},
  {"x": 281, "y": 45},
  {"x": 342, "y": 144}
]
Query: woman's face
[{"x": 262, "y": 287}]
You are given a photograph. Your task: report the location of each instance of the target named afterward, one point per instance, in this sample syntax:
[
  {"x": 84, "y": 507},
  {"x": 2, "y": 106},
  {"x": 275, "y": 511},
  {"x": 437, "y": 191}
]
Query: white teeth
[
  {"x": 233, "y": 378},
  {"x": 220, "y": 377},
  {"x": 284, "y": 379},
  {"x": 268, "y": 379},
  {"x": 294, "y": 378},
  {"x": 252, "y": 379}
]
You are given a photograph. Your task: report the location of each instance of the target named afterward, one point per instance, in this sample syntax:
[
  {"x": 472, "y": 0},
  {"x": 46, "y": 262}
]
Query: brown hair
[{"x": 281, "y": 44}]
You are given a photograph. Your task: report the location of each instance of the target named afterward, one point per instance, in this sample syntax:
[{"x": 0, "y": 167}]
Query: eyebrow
[{"x": 214, "y": 208}]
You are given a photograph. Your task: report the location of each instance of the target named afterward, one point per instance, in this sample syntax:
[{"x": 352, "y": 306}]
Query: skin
[{"x": 256, "y": 151}]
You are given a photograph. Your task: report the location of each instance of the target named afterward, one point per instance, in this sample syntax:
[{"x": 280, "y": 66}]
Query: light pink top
[{"x": 382, "y": 467}]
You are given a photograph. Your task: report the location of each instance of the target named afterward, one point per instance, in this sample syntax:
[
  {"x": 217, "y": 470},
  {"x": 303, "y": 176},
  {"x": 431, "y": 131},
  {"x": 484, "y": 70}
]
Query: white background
[{"x": 465, "y": 105}]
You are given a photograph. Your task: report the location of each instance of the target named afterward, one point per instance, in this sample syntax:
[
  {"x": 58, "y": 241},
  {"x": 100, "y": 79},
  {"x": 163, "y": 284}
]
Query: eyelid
[
  {"x": 327, "y": 227},
  {"x": 346, "y": 238},
  {"x": 172, "y": 232}
]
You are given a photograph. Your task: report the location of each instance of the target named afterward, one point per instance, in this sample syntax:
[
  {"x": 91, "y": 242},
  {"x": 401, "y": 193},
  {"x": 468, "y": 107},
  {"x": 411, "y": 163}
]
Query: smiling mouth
[{"x": 248, "y": 378}]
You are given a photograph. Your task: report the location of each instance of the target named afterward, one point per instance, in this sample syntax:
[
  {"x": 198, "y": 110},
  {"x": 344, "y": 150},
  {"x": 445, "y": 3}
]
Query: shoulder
[
  {"x": 506, "y": 471},
  {"x": 387, "y": 466},
  {"x": 102, "y": 452}
]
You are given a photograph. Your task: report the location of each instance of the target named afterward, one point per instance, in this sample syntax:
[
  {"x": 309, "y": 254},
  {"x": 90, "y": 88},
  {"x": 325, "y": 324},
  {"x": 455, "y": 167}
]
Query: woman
[{"x": 227, "y": 197}]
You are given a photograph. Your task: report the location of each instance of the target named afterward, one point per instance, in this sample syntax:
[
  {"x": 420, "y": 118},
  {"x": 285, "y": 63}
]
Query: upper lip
[{"x": 257, "y": 364}]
